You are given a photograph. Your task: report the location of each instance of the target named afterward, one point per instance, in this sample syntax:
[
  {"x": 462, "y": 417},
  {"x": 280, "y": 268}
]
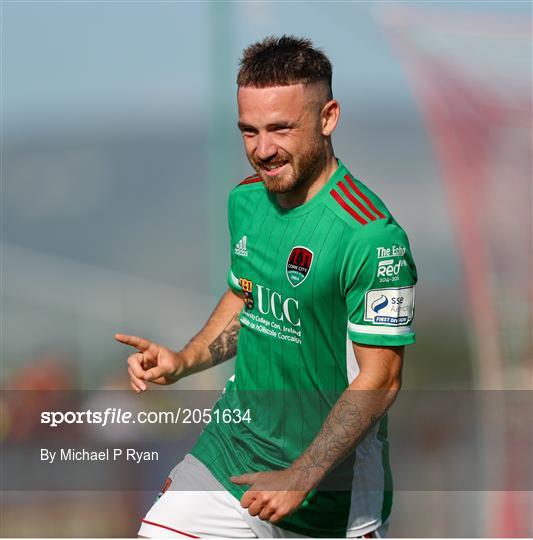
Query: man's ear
[{"x": 330, "y": 117}]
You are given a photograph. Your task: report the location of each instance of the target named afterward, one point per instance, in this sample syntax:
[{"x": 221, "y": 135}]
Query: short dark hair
[{"x": 283, "y": 61}]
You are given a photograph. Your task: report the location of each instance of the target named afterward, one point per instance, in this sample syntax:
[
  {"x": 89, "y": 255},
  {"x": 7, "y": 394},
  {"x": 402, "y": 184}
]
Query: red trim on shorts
[{"x": 169, "y": 529}]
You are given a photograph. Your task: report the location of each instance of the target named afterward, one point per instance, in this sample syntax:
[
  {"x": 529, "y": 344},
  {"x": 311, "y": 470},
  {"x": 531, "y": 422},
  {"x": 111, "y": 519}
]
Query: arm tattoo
[
  {"x": 348, "y": 422},
  {"x": 224, "y": 346}
]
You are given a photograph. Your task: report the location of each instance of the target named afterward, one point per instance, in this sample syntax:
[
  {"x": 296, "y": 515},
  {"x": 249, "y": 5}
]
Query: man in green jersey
[{"x": 318, "y": 310}]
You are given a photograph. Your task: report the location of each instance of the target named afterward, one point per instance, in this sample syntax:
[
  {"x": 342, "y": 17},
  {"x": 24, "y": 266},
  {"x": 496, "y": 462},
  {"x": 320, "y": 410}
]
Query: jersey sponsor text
[{"x": 389, "y": 306}]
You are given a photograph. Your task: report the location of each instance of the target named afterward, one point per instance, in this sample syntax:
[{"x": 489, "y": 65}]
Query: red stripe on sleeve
[
  {"x": 348, "y": 208},
  {"x": 364, "y": 197},
  {"x": 366, "y": 212}
]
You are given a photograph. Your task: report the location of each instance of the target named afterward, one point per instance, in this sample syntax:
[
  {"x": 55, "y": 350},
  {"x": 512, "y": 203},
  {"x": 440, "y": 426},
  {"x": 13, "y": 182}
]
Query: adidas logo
[{"x": 240, "y": 247}]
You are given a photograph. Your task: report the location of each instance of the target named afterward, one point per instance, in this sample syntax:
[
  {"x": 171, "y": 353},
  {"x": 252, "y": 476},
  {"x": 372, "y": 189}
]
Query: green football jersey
[{"x": 314, "y": 278}]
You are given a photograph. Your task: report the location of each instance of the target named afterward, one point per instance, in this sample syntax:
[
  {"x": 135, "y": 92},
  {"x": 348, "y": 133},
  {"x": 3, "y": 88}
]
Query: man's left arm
[{"x": 275, "y": 494}]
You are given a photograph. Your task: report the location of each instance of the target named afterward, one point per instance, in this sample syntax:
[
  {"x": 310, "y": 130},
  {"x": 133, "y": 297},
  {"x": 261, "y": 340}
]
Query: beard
[{"x": 301, "y": 170}]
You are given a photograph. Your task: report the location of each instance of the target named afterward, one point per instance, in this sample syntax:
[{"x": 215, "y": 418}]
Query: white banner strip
[
  {"x": 234, "y": 280},
  {"x": 388, "y": 330}
]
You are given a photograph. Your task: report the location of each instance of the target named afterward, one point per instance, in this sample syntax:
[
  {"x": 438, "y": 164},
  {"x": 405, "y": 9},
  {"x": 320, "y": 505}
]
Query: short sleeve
[
  {"x": 378, "y": 279},
  {"x": 232, "y": 279},
  {"x": 233, "y": 282}
]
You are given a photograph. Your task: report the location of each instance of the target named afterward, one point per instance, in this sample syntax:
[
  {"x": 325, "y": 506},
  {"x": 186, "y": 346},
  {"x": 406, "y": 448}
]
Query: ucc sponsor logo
[{"x": 282, "y": 309}]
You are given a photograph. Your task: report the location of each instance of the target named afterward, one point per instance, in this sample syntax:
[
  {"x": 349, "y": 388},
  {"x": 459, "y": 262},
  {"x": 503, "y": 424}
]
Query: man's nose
[{"x": 265, "y": 147}]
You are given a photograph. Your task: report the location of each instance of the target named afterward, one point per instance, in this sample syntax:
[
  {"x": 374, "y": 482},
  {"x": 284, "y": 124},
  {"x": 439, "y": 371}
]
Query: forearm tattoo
[
  {"x": 348, "y": 422},
  {"x": 224, "y": 346}
]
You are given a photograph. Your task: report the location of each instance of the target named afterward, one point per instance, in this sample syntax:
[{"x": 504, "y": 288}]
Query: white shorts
[{"x": 200, "y": 507}]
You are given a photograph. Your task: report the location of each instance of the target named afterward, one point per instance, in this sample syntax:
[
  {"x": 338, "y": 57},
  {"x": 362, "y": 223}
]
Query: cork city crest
[{"x": 298, "y": 265}]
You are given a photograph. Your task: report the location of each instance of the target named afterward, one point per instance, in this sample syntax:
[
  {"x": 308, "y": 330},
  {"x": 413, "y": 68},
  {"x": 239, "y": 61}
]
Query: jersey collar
[{"x": 315, "y": 200}]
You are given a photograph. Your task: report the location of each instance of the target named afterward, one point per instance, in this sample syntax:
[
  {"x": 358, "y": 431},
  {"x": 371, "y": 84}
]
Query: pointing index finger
[{"x": 135, "y": 341}]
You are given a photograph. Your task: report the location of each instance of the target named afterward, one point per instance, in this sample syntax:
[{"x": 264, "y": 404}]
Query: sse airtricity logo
[
  {"x": 380, "y": 303},
  {"x": 391, "y": 307}
]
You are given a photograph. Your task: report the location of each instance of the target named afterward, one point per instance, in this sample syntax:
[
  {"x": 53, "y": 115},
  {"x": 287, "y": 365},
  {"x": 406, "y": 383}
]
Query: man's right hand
[{"x": 152, "y": 362}]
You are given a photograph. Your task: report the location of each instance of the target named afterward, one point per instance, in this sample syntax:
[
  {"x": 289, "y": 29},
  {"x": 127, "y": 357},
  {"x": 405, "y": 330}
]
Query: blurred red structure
[{"x": 473, "y": 84}]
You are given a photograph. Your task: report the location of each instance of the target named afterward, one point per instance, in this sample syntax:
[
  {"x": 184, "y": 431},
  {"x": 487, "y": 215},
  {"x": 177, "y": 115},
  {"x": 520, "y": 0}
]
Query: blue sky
[{"x": 86, "y": 60}]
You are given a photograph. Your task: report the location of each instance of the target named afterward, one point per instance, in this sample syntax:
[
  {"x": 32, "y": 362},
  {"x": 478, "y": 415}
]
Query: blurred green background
[{"x": 119, "y": 148}]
